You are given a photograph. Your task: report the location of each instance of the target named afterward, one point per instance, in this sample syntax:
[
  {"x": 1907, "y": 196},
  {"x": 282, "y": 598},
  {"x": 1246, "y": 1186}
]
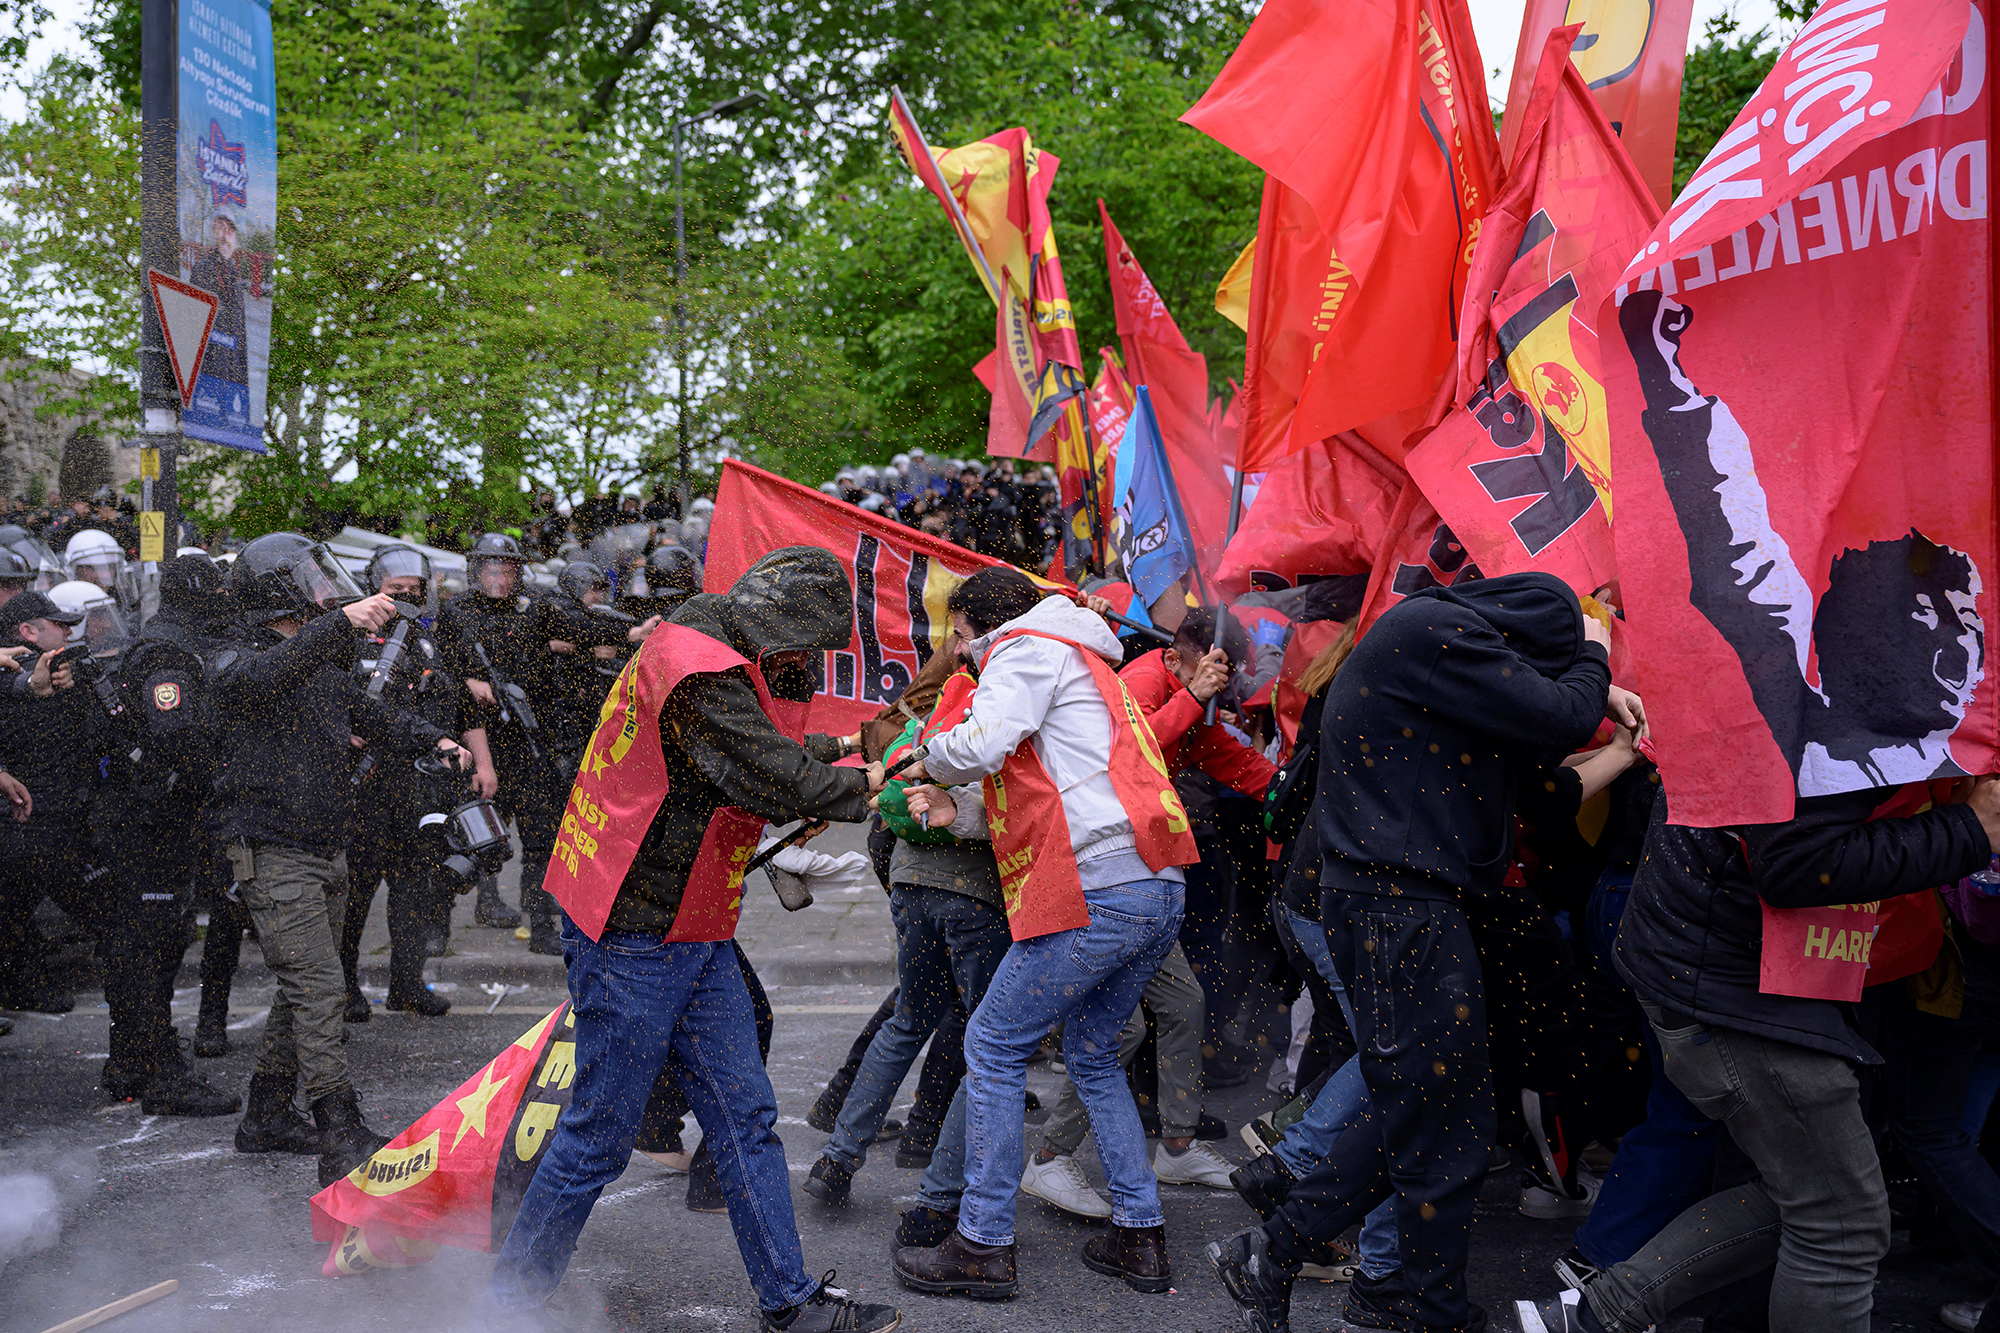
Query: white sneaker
[
  {"x": 1199, "y": 1165},
  {"x": 1962, "y": 1316},
  {"x": 1552, "y": 1203},
  {"x": 1062, "y": 1183}
]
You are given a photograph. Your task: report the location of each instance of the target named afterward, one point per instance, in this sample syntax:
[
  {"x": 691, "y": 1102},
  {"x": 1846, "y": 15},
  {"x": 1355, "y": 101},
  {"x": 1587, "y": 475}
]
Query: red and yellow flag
[
  {"x": 457, "y": 1176},
  {"x": 996, "y": 194},
  {"x": 1630, "y": 55}
]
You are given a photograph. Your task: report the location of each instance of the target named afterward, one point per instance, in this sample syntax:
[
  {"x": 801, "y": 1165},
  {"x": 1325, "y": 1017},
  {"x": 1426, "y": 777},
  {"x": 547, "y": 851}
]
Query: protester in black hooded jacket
[
  {"x": 1776, "y": 1070},
  {"x": 1444, "y": 706}
]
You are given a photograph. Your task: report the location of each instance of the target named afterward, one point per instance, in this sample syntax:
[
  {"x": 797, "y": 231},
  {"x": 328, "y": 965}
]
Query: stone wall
[{"x": 34, "y": 446}]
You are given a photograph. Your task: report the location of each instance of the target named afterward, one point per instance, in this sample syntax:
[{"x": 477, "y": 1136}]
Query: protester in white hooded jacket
[{"x": 1088, "y": 978}]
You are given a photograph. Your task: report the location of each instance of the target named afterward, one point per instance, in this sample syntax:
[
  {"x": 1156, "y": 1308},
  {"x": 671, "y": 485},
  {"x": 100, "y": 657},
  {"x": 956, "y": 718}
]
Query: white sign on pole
[{"x": 187, "y": 313}]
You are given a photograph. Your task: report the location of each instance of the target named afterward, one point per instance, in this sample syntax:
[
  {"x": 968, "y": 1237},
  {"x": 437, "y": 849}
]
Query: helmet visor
[
  {"x": 103, "y": 630},
  {"x": 401, "y": 562},
  {"x": 101, "y": 568},
  {"x": 321, "y": 580}
]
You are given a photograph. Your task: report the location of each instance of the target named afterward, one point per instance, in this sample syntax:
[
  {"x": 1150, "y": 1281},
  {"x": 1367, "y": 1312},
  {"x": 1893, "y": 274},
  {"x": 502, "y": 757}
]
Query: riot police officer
[
  {"x": 289, "y": 707},
  {"x": 535, "y": 749},
  {"x": 145, "y": 820},
  {"x": 403, "y": 667}
]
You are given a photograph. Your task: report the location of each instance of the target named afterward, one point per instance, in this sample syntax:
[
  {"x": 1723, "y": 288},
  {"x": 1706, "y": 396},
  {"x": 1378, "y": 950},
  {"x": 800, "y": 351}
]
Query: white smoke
[{"x": 32, "y": 1205}]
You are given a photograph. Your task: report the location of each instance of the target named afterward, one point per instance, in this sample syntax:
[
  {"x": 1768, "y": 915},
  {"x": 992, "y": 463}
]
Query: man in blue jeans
[
  {"x": 700, "y": 743},
  {"x": 1089, "y": 836}
]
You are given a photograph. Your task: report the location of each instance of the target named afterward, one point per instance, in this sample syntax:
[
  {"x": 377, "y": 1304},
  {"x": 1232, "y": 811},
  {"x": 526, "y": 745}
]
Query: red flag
[
  {"x": 901, "y": 578},
  {"x": 1630, "y": 54},
  {"x": 1373, "y": 126},
  {"x": 1325, "y": 510},
  {"x": 1521, "y": 468},
  {"x": 1800, "y": 382},
  {"x": 1157, "y": 356},
  {"x": 456, "y": 1176},
  {"x": 1420, "y": 552}
]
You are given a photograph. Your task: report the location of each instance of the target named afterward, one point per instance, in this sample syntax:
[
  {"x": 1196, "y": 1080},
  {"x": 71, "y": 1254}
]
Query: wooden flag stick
[{"x": 116, "y": 1308}]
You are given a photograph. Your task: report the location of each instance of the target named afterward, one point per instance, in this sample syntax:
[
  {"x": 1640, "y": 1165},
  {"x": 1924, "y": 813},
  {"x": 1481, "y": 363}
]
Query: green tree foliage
[
  {"x": 463, "y": 286},
  {"x": 1722, "y": 71}
]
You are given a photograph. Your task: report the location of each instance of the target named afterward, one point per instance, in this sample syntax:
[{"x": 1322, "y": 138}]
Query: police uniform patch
[{"x": 166, "y": 695}]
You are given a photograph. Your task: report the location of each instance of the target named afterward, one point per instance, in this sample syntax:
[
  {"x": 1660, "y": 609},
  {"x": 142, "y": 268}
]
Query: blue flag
[{"x": 1155, "y": 544}]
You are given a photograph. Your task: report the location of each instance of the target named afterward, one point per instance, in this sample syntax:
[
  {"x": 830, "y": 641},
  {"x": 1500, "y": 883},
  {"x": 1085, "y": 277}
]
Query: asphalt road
[{"x": 99, "y": 1201}]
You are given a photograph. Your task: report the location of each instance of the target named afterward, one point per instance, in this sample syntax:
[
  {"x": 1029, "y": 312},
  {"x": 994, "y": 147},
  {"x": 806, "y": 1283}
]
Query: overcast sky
[{"x": 1498, "y": 23}]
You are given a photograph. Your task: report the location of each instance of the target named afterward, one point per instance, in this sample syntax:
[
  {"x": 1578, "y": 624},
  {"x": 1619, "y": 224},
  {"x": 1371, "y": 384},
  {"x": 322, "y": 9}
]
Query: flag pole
[{"x": 1235, "y": 511}]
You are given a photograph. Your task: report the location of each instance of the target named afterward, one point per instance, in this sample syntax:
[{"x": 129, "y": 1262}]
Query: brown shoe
[
  {"x": 985, "y": 1272},
  {"x": 1136, "y": 1254}
]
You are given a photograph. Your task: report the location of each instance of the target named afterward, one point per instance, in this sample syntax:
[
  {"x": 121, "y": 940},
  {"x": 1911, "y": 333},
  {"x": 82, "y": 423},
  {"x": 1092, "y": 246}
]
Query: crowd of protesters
[{"x": 1433, "y": 904}]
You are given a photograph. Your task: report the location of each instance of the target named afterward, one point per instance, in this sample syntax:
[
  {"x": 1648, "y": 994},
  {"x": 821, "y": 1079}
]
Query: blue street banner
[
  {"x": 1155, "y": 544},
  {"x": 228, "y": 209}
]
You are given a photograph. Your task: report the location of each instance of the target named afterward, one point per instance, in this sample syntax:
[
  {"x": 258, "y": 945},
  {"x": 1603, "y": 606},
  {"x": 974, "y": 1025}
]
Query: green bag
[{"x": 894, "y": 806}]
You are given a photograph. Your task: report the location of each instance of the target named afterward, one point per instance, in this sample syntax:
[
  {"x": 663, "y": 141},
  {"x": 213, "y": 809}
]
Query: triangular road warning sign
[{"x": 186, "y": 315}]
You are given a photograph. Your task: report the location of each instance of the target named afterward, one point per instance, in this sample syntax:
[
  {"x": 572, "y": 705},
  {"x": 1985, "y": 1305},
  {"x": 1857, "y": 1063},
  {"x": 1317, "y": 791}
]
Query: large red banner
[
  {"x": 1799, "y": 372},
  {"x": 901, "y": 579},
  {"x": 1630, "y": 54},
  {"x": 1521, "y": 467}
]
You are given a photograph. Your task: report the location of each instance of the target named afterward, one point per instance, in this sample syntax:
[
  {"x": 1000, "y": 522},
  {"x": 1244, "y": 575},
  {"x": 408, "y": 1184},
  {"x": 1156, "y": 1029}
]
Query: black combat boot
[
  {"x": 273, "y": 1124},
  {"x": 176, "y": 1089},
  {"x": 489, "y": 910},
  {"x": 345, "y": 1142}
]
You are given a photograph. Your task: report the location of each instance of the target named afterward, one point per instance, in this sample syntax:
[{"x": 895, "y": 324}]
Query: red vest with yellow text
[
  {"x": 623, "y": 779},
  {"x": 1024, "y": 811}
]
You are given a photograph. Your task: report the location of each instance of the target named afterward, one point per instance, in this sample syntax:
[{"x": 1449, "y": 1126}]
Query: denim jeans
[
  {"x": 1089, "y": 980},
  {"x": 1420, "y": 1024},
  {"x": 1819, "y": 1207},
  {"x": 641, "y": 1002},
  {"x": 1341, "y": 1103},
  {"x": 1176, "y": 1001},
  {"x": 948, "y": 946}
]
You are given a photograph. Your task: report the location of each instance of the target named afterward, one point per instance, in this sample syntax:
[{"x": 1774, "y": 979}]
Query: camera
[{"x": 473, "y": 835}]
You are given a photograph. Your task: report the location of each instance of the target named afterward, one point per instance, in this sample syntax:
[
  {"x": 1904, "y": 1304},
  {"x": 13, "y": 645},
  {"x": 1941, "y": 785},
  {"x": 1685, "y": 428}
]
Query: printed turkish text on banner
[{"x": 1802, "y": 428}]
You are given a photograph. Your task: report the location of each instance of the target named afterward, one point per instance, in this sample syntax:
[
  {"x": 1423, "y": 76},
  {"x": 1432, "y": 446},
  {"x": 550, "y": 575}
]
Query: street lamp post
[{"x": 729, "y": 108}]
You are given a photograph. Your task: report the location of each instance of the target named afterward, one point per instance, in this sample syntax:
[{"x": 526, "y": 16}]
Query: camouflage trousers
[{"x": 297, "y": 902}]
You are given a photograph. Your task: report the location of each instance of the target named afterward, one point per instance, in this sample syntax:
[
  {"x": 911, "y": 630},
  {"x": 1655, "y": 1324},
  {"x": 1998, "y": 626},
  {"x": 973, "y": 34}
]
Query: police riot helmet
[
  {"x": 15, "y": 571},
  {"x": 676, "y": 574},
  {"x": 831, "y": 488},
  {"x": 402, "y": 561},
  {"x": 102, "y": 628},
  {"x": 94, "y": 557},
  {"x": 579, "y": 578},
  {"x": 501, "y": 556},
  {"x": 283, "y": 574}
]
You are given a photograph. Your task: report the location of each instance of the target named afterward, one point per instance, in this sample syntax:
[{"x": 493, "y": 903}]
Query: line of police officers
[{"x": 277, "y": 735}]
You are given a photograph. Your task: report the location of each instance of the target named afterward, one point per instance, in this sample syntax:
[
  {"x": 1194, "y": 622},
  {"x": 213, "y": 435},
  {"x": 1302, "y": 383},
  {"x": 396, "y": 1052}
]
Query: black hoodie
[
  {"x": 719, "y": 746},
  {"x": 1447, "y": 702}
]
